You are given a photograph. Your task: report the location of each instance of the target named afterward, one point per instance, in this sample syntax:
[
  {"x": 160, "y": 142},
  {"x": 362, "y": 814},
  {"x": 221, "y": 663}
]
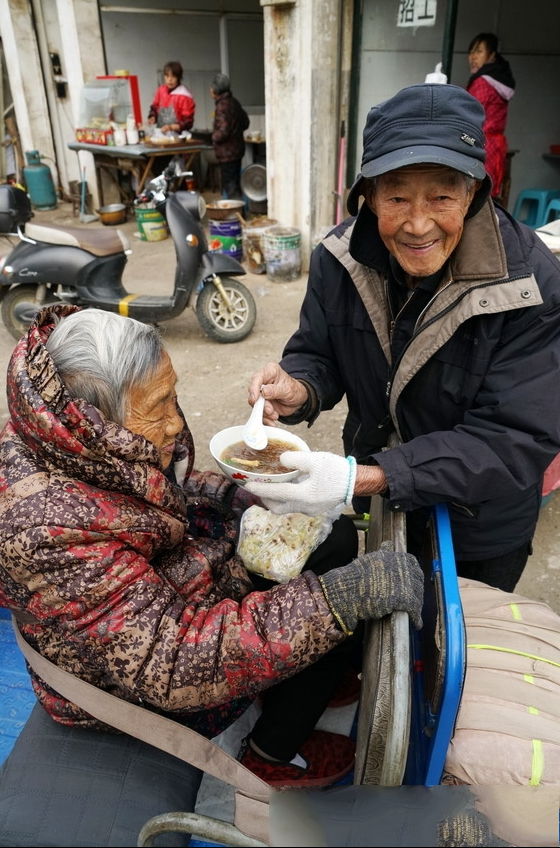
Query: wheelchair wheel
[{"x": 386, "y": 696}]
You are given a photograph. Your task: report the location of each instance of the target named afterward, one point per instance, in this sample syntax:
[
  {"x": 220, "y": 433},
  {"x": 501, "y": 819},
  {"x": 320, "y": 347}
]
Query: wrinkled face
[
  {"x": 170, "y": 80},
  {"x": 420, "y": 211},
  {"x": 479, "y": 56},
  {"x": 152, "y": 410}
]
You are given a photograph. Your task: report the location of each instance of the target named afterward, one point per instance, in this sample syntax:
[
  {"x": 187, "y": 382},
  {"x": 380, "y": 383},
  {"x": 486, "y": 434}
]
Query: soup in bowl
[{"x": 241, "y": 463}]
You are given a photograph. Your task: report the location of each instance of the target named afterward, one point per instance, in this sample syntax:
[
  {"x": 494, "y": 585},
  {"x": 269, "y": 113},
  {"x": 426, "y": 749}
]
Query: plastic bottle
[
  {"x": 437, "y": 76},
  {"x": 120, "y": 136}
]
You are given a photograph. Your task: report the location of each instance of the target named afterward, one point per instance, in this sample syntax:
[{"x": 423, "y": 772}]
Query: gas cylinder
[{"x": 39, "y": 181}]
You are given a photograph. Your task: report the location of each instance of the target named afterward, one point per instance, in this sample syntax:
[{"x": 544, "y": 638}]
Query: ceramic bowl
[{"x": 231, "y": 435}]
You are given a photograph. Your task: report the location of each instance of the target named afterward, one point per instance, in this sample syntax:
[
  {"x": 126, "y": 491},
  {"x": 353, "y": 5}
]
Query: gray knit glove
[{"x": 374, "y": 585}]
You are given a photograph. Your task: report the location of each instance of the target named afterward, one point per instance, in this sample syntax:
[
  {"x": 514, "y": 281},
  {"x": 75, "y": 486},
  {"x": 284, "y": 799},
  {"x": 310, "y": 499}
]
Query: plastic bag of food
[{"x": 278, "y": 546}]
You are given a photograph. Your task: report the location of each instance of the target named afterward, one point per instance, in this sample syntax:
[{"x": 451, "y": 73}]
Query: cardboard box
[{"x": 92, "y": 135}]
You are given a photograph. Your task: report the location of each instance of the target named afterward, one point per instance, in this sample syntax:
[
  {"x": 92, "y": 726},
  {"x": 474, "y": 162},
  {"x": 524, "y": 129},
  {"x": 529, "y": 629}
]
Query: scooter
[{"x": 85, "y": 266}]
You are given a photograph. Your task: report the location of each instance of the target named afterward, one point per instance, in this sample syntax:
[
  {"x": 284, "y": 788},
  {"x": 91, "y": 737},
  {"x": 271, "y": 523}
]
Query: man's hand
[
  {"x": 283, "y": 394},
  {"x": 327, "y": 486}
]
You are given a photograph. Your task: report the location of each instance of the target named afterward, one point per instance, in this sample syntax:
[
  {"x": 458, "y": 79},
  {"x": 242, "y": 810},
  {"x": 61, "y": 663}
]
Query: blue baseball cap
[{"x": 428, "y": 123}]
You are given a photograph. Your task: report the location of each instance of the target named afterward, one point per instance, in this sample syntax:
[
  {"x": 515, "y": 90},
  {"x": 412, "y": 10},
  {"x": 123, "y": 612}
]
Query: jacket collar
[
  {"x": 498, "y": 70},
  {"x": 480, "y": 254}
]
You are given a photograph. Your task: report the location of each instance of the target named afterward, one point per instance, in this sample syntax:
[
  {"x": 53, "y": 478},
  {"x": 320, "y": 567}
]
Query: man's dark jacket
[{"x": 475, "y": 395}]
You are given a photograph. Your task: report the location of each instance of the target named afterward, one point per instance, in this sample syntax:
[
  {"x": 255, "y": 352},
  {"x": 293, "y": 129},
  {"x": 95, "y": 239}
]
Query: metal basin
[
  {"x": 222, "y": 210},
  {"x": 114, "y": 213}
]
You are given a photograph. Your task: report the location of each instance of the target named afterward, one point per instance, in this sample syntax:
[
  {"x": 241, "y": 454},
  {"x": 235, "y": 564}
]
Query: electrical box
[{"x": 59, "y": 80}]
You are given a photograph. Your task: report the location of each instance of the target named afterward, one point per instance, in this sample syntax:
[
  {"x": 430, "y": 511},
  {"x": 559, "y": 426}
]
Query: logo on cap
[{"x": 468, "y": 139}]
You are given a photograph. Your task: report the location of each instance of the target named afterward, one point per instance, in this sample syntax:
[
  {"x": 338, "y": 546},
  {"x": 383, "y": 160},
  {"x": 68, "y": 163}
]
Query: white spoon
[{"x": 254, "y": 434}]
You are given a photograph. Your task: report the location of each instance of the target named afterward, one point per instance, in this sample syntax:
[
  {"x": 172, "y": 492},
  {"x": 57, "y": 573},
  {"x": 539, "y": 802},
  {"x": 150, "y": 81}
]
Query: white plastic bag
[{"x": 278, "y": 546}]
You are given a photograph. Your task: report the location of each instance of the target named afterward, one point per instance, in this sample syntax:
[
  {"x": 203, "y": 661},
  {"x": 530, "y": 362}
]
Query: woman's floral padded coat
[{"x": 127, "y": 579}]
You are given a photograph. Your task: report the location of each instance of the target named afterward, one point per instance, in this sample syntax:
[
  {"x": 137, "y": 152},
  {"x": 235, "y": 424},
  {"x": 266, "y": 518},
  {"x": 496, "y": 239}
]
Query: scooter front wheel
[
  {"x": 226, "y": 322},
  {"x": 20, "y": 306}
]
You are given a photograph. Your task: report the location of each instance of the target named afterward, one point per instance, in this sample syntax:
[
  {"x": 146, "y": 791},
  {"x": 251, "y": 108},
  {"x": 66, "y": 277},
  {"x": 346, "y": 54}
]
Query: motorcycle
[{"x": 85, "y": 267}]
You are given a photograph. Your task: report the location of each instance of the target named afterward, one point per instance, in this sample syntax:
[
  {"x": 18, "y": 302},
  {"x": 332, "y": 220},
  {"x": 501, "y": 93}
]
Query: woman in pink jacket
[
  {"x": 493, "y": 85},
  {"x": 173, "y": 106}
]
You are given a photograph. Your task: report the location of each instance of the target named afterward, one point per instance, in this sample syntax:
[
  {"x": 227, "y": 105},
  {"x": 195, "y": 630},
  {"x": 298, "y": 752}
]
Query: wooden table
[{"x": 137, "y": 159}]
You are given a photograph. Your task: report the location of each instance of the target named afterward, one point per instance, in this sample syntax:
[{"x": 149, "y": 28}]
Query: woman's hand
[{"x": 283, "y": 394}]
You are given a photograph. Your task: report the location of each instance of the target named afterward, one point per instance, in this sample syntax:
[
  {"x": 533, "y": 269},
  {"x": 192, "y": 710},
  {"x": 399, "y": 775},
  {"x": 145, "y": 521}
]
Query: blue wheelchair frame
[
  {"x": 434, "y": 714},
  {"x": 412, "y": 682}
]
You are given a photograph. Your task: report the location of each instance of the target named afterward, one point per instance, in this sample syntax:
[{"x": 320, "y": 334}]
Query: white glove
[{"x": 327, "y": 487}]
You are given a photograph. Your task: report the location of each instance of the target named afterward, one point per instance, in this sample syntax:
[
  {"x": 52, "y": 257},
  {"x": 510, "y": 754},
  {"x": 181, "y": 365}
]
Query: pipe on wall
[{"x": 449, "y": 37}]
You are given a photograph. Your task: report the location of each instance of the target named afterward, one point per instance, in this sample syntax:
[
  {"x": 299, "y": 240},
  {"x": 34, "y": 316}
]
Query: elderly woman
[{"x": 121, "y": 558}]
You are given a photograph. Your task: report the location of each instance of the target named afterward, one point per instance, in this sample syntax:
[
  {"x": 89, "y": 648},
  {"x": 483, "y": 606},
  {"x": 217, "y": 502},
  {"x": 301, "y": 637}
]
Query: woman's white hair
[{"x": 101, "y": 355}]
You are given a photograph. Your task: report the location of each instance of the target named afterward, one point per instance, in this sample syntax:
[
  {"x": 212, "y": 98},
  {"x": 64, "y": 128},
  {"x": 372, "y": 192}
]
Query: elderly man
[{"x": 438, "y": 316}]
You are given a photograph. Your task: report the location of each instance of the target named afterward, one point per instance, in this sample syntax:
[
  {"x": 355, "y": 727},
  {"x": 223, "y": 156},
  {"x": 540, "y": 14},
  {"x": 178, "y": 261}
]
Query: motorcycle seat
[{"x": 100, "y": 242}]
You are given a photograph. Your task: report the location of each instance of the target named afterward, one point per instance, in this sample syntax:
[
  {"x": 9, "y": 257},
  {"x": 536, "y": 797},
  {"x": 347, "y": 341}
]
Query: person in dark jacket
[
  {"x": 230, "y": 122},
  {"x": 120, "y": 558},
  {"x": 437, "y": 316},
  {"x": 492, "y": 83}
]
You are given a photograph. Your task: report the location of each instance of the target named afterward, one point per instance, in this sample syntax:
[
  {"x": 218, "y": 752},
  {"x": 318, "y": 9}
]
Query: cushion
[
  {"x": 445, "y": 816},
  {"x": 508, "y": 724},
  {"x": 63, "y": 786}
]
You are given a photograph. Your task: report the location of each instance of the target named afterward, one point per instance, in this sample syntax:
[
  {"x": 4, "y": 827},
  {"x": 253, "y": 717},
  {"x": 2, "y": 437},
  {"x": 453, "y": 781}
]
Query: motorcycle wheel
[
  {"x": 221, "y": 324},
  {"x": 19, "y": 308}
]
